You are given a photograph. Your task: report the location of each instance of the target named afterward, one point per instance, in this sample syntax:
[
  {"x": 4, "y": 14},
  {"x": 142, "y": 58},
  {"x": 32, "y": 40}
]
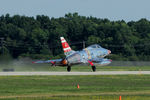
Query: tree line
[{"x": 39, "y": 37}]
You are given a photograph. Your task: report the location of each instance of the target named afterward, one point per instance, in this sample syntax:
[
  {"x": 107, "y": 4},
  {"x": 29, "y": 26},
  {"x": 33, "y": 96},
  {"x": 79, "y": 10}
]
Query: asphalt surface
[{"x": 75, "y": 73}]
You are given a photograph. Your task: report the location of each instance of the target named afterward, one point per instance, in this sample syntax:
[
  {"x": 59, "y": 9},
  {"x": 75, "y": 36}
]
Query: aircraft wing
[{"x": 53, "y": 62}]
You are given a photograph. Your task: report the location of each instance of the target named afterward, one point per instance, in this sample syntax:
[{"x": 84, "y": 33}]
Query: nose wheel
[
  {"x": 68, "y": 68},
  {"x": 93, "y": 68}
]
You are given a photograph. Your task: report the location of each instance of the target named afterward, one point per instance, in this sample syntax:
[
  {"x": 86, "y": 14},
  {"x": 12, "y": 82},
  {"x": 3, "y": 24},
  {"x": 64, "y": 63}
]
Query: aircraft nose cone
[{"x": 109, "y": 51}]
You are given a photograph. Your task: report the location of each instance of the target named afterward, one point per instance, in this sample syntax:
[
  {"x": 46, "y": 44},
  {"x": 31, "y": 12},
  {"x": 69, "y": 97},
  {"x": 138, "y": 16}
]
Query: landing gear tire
[
  {"x": 69, "y": 68},
  {"x": 93, "y": 68}
]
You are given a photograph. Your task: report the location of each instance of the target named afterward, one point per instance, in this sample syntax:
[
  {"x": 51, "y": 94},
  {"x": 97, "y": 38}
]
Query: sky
[{"x": 128, "y": 10}]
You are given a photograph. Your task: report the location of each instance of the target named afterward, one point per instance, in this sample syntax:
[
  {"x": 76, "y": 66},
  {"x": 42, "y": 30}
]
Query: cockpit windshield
[{"x": 94, "y": 46}]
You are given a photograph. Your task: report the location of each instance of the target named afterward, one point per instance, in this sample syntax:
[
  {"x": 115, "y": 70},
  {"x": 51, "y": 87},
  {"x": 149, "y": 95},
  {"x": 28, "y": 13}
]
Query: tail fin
[{"x": 66, "y": 47}]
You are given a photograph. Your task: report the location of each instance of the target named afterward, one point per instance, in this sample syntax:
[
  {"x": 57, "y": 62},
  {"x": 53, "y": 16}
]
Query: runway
[{"x": 75, "y": 73}]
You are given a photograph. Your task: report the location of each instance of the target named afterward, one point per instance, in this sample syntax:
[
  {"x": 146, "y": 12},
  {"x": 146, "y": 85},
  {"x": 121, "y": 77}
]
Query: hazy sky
[{"x": 112, "y": 9}]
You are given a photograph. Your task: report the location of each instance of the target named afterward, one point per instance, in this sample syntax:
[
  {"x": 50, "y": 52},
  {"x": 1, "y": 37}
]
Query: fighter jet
[{"x": 92, "y": 55}]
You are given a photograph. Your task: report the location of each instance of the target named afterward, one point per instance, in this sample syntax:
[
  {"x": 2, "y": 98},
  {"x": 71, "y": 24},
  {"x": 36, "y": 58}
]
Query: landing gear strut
[
  {"x": 68, "y": 68},
  {"x": 93, "y": 68}
]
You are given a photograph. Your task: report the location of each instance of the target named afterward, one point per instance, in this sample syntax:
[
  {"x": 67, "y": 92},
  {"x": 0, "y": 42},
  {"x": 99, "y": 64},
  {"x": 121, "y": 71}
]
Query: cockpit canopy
[{"x": 94, "y": 46}]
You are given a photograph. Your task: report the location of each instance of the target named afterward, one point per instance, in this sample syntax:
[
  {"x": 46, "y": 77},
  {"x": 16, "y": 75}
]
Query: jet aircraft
[{"x": 92, "y": 55}]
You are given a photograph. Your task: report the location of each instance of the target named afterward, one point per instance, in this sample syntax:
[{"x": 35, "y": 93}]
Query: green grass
[
  {"x": 81, "y": 98},
  {"x": 107, "y": 87}
]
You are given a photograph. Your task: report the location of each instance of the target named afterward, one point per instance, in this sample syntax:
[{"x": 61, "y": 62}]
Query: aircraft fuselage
[{"x": 94, "y": 54}]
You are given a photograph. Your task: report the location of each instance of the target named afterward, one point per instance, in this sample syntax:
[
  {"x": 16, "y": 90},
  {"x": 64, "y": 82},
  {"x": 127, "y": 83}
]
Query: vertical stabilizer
[{"x": 66, "y": 47}]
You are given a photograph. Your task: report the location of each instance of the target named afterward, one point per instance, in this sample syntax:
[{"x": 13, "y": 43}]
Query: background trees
[{"x": 40, "y": 37}]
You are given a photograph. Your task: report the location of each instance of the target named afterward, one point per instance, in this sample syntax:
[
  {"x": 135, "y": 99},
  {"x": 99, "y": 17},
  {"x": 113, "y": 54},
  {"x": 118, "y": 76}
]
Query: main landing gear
[
  {"x": 93, "y": 68},
  {"x": 68, "y": 68}
]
